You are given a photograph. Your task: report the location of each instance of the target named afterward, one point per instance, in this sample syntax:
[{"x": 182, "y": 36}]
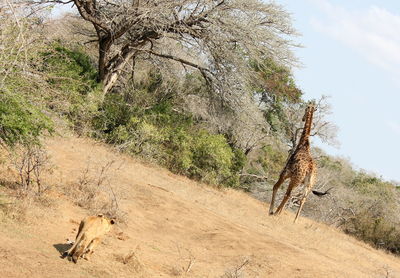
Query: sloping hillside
[{"x": 177, "y": 227}]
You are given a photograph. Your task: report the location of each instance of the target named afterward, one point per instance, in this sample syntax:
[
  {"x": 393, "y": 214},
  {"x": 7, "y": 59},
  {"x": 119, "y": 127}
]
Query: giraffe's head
[{"x": 309, "y": 110}]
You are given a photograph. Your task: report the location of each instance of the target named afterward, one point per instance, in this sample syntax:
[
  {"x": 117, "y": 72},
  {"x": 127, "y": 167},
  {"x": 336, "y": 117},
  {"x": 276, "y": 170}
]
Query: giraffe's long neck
[{"x": 307, "y": 129}]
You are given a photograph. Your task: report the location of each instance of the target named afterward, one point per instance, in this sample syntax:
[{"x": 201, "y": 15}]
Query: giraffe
[{"x": 300, "y": 167}]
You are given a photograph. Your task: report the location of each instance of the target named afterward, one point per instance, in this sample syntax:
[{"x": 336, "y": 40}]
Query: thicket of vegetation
[{"x": 173, "y": 114}]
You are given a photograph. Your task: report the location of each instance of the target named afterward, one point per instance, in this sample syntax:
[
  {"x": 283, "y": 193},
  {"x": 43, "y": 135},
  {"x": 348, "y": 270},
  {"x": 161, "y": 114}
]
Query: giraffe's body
[{"x": 300, "y": 167}]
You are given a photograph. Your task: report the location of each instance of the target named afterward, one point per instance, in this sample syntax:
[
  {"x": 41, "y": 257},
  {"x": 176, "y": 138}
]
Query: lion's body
[{"x": 90, "y": 233}]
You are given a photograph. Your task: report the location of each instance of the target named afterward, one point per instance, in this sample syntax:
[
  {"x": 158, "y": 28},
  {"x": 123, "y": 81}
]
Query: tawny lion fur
[{"x": 90, "y": 233}]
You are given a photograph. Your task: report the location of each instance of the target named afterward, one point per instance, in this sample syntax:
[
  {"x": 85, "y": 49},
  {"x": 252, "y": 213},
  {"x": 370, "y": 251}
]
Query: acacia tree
[
  {"x": 284, "y": 113},
  {"x": 218, "y": 36},
  {"x": 322, "y": 128}
]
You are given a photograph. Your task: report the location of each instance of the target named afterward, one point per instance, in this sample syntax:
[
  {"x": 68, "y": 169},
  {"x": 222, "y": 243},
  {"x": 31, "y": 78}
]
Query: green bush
[
  {"x": 372, "y": 186},
  {"x": 113, "y": 113},
  {"x": 212, "y": 158},
  {"x": 179, "y": 156},
  {"x": 272, "y": 160},
  {"x": 69, "y": 70},
  {"x": 204, "y": 156},
  {"x": 71, "y": 76},
  {"x": 21, "y": 121},
  {"x": 329, "y": 163},
  {"x": 161, "y": 133},
  {"x": 372, "y": 224}
]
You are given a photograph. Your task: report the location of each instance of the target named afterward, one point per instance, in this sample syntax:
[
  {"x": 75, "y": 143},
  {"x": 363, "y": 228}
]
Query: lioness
[{"x": 90, "y": 233}]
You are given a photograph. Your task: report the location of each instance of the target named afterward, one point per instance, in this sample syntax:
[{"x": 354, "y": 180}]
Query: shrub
[
  {"x": 374, "y": 224},
  {"x": 70, "y": 70},
  {"x": 74, "y": 91},
  {"x": 204, "y": 156},
  {"x": 31, "y": 162},
  {"x": 272, "y": 160},
  {"x": 94, "y": 192},
  {"x": 21, "y": 121},
  {"x": 161, "y": 133},
  {"x": 212, "y": 158},
  {"x": 372, "y": 186}
]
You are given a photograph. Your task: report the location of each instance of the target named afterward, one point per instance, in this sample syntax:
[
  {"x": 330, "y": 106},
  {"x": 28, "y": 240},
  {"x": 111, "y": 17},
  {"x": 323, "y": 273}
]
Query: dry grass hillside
[{"x": 174, "y": 227}]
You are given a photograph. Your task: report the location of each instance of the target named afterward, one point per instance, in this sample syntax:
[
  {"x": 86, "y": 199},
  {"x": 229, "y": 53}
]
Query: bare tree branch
[
  {"x": 221, "y": 35},
  {"x": 177, "y": 59}
]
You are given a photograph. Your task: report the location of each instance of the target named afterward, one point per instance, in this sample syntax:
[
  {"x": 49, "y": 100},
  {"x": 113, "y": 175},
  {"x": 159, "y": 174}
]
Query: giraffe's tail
[{"x": 320, "y": 194}]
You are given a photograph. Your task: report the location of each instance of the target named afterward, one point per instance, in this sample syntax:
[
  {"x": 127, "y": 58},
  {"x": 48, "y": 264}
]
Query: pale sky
[{"x": 352, "y": 53}]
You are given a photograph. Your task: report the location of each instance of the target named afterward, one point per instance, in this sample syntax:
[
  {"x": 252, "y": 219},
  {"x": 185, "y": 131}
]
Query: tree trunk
[
  {"x": 114, "y": 67},
  {"x": 128, "y": 93},
  {"x": 104, "y": 48}
]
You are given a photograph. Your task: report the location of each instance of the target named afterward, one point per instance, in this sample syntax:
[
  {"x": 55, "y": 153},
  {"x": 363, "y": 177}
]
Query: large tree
[{"x": 215, "y": 37}]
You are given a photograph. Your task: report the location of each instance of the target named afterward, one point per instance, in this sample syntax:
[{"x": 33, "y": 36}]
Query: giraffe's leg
[
  {"x": 311, "y": 181},
  {"x": 293, "y": 183},
  {"x": 282, "y": 178}
]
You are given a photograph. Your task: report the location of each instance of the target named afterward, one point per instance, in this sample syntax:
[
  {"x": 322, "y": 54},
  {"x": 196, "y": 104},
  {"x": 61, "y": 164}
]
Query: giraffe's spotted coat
[{"x": 300, "y": 168}]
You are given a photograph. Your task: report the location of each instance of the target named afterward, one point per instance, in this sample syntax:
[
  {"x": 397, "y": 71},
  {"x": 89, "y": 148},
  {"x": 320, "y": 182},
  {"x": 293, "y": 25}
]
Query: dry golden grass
[{"x": 171, "y": 221}]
